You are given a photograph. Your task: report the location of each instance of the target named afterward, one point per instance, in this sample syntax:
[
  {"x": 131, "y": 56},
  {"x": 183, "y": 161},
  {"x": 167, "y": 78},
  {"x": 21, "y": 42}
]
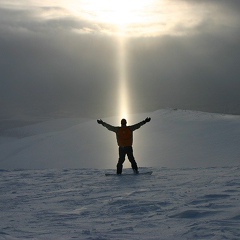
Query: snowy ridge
[
  {"x": 47, "y": 126},
  {"x": 174, "y": 138},
  {"x": 84, "y": 204}
]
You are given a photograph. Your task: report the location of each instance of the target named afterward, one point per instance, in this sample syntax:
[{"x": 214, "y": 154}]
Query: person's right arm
[{"x": 108, "y": 126}]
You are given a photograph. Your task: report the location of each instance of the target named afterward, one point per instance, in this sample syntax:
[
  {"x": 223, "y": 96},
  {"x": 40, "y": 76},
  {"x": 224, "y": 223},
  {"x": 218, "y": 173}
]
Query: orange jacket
[{"x": 124, "y": 134}]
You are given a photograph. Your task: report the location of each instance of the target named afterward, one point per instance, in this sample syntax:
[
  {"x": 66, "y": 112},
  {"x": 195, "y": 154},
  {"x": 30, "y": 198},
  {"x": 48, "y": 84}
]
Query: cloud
[
  {"x": 47, "y": 67},
  {"x": 197, "y": 72},
  {"x": 53, "y": 61}
]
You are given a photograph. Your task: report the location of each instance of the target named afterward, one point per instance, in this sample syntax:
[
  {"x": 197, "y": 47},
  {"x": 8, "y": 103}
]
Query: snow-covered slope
[
  {"x": 70, "y": 202},
  {"x": 82, "y": 204},
  {"x": 174, "y": 138}
]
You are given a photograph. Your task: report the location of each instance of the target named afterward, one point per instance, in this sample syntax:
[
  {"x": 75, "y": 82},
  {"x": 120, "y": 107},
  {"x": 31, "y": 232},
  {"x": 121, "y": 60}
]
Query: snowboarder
[{"x": 124, "y": 135}]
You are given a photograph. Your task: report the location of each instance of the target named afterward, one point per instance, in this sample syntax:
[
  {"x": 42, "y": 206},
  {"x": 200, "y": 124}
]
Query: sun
[
  {"x": 132, "y": 18},
  {"x": 116, "y": 12}
]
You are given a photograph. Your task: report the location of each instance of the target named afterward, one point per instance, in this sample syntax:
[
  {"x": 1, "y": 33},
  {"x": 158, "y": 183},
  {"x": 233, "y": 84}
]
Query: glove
[
  {"x": 100, "y": 121},
  {"x": 147, "y": 120}
]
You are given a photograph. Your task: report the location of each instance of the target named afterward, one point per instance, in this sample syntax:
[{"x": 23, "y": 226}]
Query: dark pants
[{"x": 123, "y": 151}]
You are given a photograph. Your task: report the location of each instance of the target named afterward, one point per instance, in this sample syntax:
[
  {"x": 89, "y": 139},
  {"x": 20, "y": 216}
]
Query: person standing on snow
[{"x": 124, "y": 135}]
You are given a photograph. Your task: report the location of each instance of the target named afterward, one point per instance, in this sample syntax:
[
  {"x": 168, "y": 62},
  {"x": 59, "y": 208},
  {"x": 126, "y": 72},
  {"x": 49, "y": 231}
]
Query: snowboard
[{"x": 129, "y": 174}]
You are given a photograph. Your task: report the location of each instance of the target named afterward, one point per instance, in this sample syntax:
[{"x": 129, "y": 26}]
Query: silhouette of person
[{"x": 124, "y": 135}]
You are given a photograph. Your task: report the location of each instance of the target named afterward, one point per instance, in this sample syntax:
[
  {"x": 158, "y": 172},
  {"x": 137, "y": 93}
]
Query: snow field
[
  {"x": 85, "y": 204},
  {"x": 193, "y": 193}
]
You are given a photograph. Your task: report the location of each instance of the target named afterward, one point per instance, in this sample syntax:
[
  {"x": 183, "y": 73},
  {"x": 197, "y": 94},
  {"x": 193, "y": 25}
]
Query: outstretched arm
[
  {"x": 106, "y": 125},
  {"x": 138, "y": 125}
]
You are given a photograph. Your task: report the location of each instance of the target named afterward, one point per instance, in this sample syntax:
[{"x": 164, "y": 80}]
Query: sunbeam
[{"x": 123, "y": 78}]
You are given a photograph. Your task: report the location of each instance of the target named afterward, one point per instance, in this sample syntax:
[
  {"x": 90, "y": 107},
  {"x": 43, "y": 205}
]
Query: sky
[{"x": 99, "y": 58}]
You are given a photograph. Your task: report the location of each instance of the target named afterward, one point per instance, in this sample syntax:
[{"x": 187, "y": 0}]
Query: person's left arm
[{"x": 138, "y": 125}]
